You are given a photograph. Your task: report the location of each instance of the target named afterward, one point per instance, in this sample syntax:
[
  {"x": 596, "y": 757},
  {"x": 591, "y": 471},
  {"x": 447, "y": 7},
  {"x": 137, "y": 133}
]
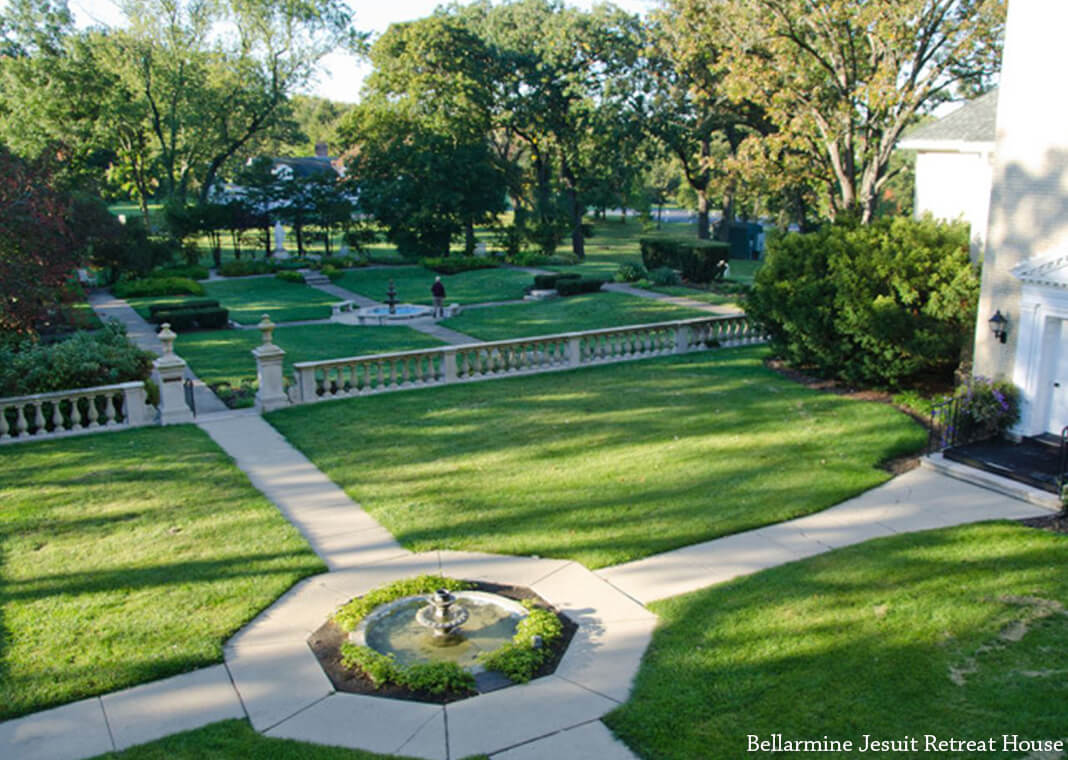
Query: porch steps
[
  {"x": 990, "y": 481},
  {"x": 311, "y": 277}
]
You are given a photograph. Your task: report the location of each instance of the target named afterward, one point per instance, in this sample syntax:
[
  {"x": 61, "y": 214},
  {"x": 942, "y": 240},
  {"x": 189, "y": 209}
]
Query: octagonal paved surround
[{"x": 286, "y": 693}]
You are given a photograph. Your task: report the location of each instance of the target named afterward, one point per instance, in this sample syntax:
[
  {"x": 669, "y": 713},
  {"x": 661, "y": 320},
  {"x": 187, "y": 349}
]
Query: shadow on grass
[{"x": 951, "y": 632}]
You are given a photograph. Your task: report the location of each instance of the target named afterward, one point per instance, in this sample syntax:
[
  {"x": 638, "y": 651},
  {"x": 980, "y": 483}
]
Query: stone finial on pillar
[
  {"x": 170, "y": 368},
  {"x": 269, "y": 357}
]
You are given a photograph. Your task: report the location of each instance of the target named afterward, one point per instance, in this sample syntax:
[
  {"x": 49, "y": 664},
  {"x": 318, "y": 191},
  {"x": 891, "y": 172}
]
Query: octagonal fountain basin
[{"x": 473, "y": 622}]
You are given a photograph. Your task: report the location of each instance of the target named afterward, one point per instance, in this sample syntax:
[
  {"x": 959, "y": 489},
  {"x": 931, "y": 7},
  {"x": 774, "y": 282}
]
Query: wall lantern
[{"x": 999, "y": 325}]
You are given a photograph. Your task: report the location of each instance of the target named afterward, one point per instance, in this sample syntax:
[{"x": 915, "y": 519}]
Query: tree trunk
[
  {"x": 702, "y": 214},
  {"x": 578, "y": 242},
  {"x": 469, "y": 237},
  {"x": 267, "y": 230},
  {"x": 298, "y": 228}
]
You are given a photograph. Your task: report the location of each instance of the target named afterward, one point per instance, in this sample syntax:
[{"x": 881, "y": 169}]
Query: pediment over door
[{"x": 1050, "y": 270}]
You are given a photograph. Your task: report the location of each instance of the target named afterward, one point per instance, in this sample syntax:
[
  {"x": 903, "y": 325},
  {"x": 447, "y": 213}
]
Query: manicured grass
[
  {"x": 249, "y": 298},
  {"x": 605, "y": 464},
  {"x": 129, "y": 557},
  {"x": 957, "y": 633},
  {"x": 235, "y": 740},
  {"x": 413, "y": 284},
  {"x": 225, "y": 355},
  {"x": 704, "y": 296},
  {"x": 559, "y": 315}
]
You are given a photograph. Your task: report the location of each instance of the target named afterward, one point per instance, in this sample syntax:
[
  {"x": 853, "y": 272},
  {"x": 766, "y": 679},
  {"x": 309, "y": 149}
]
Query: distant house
[
  {"x": 307, "y": 166},
  {"x": 954, "y": 166}
]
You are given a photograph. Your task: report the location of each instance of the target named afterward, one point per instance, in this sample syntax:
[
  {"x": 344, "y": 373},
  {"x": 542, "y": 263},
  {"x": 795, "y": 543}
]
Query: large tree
[{"x": 841, "y": 79}]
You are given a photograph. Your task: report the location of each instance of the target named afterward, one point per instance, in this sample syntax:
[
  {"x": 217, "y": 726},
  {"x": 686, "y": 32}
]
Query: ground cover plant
[
  {"x": 574, "y": 313},
  {"x": 225, "y": 356},
  {"x": 236, "y": 740},
  {"x": 128, "y": 557},
  {"x": 605, "y": 464},
  {"x": 957, "y": 633},
  {"x": 248, "y": 299},
  {"x": 412, "y": 284}
]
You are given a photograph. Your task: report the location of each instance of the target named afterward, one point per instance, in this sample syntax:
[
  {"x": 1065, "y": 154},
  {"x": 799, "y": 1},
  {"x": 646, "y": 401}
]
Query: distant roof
[
  {"x": 974, "y": 122},
  {"x": 306, "y": 167}
]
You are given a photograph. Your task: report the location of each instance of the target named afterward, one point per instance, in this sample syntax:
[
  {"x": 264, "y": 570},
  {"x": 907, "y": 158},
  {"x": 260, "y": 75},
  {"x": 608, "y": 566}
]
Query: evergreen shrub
[{"x": 698, "y": 260}]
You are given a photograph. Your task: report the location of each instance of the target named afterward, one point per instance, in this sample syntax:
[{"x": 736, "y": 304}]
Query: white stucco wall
[
  {"x": 1029, "y": 200},
  {"x": 952, "y": 185}
]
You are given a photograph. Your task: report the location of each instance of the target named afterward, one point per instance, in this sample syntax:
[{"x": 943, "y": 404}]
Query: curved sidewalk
[{"x": 516, "y": 724}]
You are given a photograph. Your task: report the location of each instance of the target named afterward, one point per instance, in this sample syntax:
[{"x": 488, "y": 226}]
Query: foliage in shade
[
  {"x": 605, "y": 464},
  {"x": 84, "y": 360},
  {"x": 956, "y": 632},
  {"x": 133, "y": 571},
  {"x": 350, "y": 614},
  {"x": 158, "y": 286},
  {"x": 879, "y": 305}
]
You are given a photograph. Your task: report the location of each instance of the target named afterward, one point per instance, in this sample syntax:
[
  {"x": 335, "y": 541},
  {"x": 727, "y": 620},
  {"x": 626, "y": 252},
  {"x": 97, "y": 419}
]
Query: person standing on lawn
[{"x": 438, "y": 291}]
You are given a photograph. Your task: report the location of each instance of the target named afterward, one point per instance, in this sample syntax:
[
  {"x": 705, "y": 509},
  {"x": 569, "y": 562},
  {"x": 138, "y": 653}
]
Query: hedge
[
  {"x": 244, "y": 268},
  {"x": 698, "y": 260},
  {"x": 881, "y": 304},
  {"x": 572, "y": 287},
  {"x": 549, "y": 281},
  {"x": 456, "y": 264},
  {"x": 209, "y": 318},
  {"x": 192, "y": 272},
  {"x": 192, "y": 303},
  {"x": 158, "y": 286},
  {"x": 287, "y": 275}
]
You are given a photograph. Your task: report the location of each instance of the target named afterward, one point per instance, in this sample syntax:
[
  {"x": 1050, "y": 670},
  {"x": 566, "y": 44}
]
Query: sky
[{"x": 341, "y": 73}]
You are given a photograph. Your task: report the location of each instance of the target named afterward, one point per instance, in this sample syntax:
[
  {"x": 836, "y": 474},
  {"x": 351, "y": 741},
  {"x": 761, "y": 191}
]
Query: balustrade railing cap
[
  {"x": 167, "y": 337},
  {"x": 267, "y": 330}
]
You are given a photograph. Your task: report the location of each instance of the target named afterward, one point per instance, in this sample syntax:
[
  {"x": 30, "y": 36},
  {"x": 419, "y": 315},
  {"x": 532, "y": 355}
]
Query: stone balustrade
[
  {"x": 72, "y": 412},
  {"x": 379, "y": 373}
]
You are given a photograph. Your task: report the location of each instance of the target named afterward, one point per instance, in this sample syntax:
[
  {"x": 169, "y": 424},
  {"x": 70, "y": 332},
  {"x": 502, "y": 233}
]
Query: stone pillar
[
  {"x": 173, "y": 410},
  {"x": 272, "y": 394},
  {"x": 574, "y": 352},
  {"x": 448, "y": 361},
  {"x": 682, "y": 339}
]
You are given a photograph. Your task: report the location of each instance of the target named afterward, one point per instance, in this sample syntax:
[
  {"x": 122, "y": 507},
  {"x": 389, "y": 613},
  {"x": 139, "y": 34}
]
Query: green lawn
[
  {"x": 235, "y": 740},
  {"x": 959, "y": 633},
  {"x": 128, "y": 557},
  {"x": 559, "y": 315},
  {"x": 605, "y": 464},
  {"x": 704, "y": 296},
  {"x": 413, "y": 284},
  {"x": 249, "y": 298},
  {"x": 225, "y": 355}
]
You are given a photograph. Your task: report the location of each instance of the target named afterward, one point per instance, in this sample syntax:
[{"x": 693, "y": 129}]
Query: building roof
[
  {"x": 306, "y": 167},
  {"x": 974, "y": 122}
]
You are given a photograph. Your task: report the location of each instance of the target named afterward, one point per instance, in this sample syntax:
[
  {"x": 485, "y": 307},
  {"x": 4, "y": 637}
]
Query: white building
[
  {"x": 1025, "y": 265},
  {"x": 954, "y": 166}
]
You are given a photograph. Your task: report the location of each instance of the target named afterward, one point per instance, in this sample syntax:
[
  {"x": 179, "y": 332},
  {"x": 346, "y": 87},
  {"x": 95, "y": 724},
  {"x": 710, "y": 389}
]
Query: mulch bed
[
  {"x": 1057, "y": 523},
  {"x": 327, "y": 640}
]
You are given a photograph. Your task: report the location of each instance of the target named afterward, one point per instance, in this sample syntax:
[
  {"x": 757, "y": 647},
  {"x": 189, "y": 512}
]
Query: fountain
[
  {"x": 391, "y": 298},
  {"x": 418, "y": 629},
  {"x": 348, "y": 313}
]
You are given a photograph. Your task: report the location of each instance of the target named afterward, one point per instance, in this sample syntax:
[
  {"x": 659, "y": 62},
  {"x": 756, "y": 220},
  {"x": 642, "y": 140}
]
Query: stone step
[
  {"x": 983, "y": 479},
  {"x": 316, "y": 278}
]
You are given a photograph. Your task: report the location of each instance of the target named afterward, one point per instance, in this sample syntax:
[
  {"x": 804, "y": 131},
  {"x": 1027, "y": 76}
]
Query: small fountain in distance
[
  {"x": 442, "y": 618},
  {"x": 347, "y": 313}
]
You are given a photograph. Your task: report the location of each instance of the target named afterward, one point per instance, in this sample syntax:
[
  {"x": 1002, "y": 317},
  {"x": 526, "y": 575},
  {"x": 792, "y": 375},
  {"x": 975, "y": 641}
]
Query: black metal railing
[
  {"x": 1061, "y": 474},
  {"x": 190, "y": 395},
  {"x": 944, "y": 430}
]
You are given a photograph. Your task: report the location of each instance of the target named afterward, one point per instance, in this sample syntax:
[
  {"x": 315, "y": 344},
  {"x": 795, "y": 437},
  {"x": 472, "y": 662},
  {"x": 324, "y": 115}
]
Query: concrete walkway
[
  {"x": 144, "y": 337},
  {"x": 689, "y": 303}
]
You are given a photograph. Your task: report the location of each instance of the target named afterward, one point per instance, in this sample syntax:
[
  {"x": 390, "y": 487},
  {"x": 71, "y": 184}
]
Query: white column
[
  {"x": 170, "y": 368},
  {"x": 271, "y": 394}
]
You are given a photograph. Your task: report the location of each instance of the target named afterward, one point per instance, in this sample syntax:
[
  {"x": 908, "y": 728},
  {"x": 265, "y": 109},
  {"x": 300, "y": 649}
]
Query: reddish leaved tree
[{"x": 38, "y": 248}]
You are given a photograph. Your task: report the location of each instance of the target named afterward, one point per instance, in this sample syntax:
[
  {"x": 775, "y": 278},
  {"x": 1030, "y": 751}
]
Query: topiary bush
[
  {"x": 192, "y": 272},
  {"x": 288, "y": 275},
  {"x": 698, "y": 260},
  {"x": 549, "y": 281},
  {"x": 192, "y": 303},
  {"x": 158, "y": 286},
  {"x": 84, "y": 360},
  {"x": 456, "y": 264},
  {"x": 878, "y": 305},
  {"x": 205, "y": 318},
  {"x": 573, "y": 287}
]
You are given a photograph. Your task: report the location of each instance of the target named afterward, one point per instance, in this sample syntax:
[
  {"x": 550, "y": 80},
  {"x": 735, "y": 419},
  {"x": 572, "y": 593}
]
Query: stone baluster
[
  {"x": 21, "y": 426},
  {"x": 38, "y": 419},
  {"x": 170, "y": 368},
  {"x": 57, "y": 417}
]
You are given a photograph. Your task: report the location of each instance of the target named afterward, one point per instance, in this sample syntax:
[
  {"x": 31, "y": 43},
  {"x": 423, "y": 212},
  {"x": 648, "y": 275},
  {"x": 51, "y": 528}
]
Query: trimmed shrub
[
  {"x": 245, "y": 267},
  {"x": 549, "y": 281},
  {"x": 879, "y": 304},
  {"x": 84, "y": 360},
  {"x": 192, "y": 303},
  {"x": 664, "y": 276},
  {"x": 342, "y": 262},
  {"x": 192, "y": 272},
  {"x": 158, "y": 286},
  {"x": 331, "y": 272},
  {"x": 455, "y": 264},
  {"x": 698, "y": 260},
  {"x": 209, "y": 318},
  {"x": 570, "y": 287},
  {"x": 288, "y": 275},
  {"x": 631, "y": 273}
]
